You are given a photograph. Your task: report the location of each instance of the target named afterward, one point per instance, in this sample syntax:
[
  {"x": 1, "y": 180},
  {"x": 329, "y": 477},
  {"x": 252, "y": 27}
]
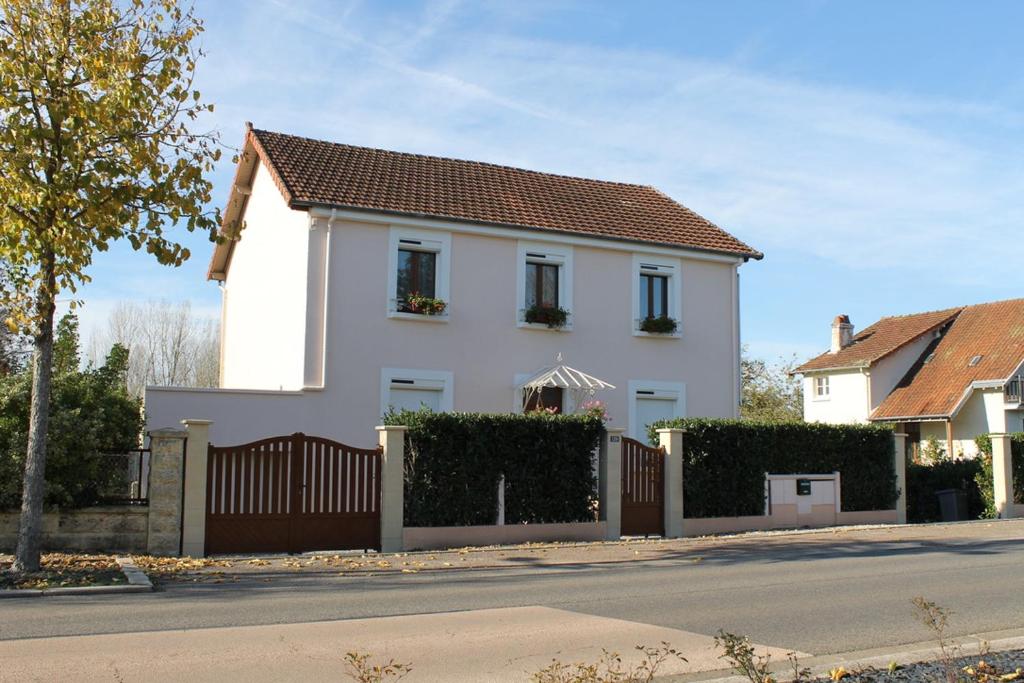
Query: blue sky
[{"x": 872, "y": 150}]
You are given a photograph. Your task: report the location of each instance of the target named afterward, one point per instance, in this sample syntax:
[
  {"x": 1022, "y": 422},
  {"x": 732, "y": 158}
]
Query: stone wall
[
  {"x": 166, "y": 478},
  {"x": 100, "y": 529}
]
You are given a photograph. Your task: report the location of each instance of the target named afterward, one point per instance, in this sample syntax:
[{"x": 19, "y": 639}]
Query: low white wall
[
  {"x": 443, "y": 537},
  {"x": 730, "y": 525}
]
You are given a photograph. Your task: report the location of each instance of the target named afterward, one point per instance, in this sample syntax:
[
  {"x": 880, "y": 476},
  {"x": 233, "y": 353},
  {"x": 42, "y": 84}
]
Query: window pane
[
  {"x": 416, "y": 273},
  {"x": 428, "y": 261},
  {"x": 531, "y": 284},
  {"x": 550, "y": 293},
  {"x": 660, "y": 309}
]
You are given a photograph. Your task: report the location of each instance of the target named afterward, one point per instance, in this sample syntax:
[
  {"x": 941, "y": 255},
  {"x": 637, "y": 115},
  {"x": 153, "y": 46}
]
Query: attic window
[
  {"x": 928, "y": 358},
  {"x": 974, "y": 361}
]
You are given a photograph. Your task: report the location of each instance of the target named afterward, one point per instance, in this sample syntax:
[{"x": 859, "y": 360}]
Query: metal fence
[{"x": 126, "y": 477}]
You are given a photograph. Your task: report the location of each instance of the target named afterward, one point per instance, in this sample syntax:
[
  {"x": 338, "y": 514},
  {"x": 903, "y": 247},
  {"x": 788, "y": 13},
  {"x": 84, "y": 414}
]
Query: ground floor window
[
  {"x": 403, "y": 389},
  {"x": 651, "y": 401}
]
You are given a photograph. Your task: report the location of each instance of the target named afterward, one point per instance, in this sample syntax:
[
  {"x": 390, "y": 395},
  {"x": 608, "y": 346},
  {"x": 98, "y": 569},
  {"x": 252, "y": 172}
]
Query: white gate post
[
  {"x": 899, "y": 442},
  {"x": 1002, "y": 474},
  {"x": 672, "y": 442},
  {"x": 392, "y": 487},
  {"x": 610, "y": 482},
  {"x": 193, "y": 514}
]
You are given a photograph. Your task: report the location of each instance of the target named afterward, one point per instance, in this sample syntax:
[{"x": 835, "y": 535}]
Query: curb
[
  {"x": 880, "y": 658},
  {"x": 138, "y": 582}
]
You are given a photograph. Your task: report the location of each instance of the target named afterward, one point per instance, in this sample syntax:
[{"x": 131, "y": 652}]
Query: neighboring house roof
[
  {"x": 936, "y": 388},
  {"x": 317, "y": 173},
  {"x": 879, "y": 340}
]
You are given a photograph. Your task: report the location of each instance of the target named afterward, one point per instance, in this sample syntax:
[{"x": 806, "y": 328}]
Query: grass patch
[{"x": 64, "y": 570}]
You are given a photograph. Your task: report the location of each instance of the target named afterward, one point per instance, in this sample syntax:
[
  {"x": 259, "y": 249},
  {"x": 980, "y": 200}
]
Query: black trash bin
[{"x": 952, "y": 504}]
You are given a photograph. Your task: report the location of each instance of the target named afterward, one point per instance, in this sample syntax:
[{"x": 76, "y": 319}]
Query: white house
[
  {"x": 947, "y": 375},
  {"x": 322, "y": 330}
]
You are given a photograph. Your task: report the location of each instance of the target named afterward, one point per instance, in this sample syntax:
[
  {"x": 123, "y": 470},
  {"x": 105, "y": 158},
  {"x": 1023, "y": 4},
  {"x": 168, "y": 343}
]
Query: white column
[
  {"x": 317, "y": 267},
  {"x": 610, "y": 482},
  {"x": 392, "y": 488},
  {"x": 193, "y": 515},
  {"x": 672, "y": 441},
  {"x": 1002, "y": 474},
  {"x": 899, "y": 442}
]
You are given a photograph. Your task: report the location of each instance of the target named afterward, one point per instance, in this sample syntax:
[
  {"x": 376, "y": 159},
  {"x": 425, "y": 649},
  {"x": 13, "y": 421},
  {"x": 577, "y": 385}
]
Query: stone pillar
[
  {"x": 1002, "y": 475},
  {"x": 899, "y": 443},
  {"x": 672, "y": 441},
  {"x": 166, "y": 478},
  {"x": 609, "y": 482},
  {"x": 193, "y": 519},
  {"x": 392, "y": 488}
]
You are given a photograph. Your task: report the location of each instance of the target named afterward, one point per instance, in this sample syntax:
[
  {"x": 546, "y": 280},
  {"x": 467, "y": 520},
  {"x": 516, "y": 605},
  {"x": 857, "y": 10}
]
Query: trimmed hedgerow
[
  {"x": 924, "y": 480},
  {"x": 454, "y": 461},
  {"x": 984, "y": 477},
  {"x": 724, "y": 462}
]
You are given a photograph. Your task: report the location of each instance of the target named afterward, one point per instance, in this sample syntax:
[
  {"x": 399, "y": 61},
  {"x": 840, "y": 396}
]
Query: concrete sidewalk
[
  {"x": 597, "y": 553},
  {"x": 506, "y": 644}
]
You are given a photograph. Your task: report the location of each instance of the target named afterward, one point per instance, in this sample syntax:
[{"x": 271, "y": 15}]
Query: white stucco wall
[
  {"x": 480, "y": 344},
  {"x": 847, "y": 401},
  {"x": 984, "y": 412},
  {"x": 265, "y": 295}
]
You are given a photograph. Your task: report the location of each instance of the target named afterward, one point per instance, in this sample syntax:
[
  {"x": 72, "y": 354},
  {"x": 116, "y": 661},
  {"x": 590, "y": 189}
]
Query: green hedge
[
  {"x": 454, "y": 461},
  {"x": 724, "y": 462},
  {"x": 924, "y": 480},
  {"x": 984, "y": 478}
]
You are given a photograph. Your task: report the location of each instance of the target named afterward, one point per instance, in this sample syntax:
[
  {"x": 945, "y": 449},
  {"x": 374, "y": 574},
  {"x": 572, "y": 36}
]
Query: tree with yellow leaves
[{"x": 97, "y": 144}]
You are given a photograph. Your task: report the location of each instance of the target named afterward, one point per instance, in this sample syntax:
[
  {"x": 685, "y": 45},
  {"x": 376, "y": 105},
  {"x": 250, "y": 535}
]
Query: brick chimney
[{"x": 842, "y": 333}]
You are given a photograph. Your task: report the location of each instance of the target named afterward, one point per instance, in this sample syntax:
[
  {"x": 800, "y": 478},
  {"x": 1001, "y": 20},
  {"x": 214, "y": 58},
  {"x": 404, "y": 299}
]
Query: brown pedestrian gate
[
  {"x": 643, "y": 489},
  {"x": 292, "y": 494}
]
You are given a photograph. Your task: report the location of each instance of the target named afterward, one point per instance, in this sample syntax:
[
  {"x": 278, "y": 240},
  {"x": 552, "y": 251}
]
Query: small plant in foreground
[
  {"x": 609, "y": 668},
  {"x": 359, "y": 668},
  {"x": 935, "y": 619},
  {"x": 740, "y": 654}
]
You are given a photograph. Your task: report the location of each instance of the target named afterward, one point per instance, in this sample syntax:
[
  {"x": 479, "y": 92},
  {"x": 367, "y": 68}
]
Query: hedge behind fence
[
  {"x": 984, "y": 478},
  {"x": 454, "y": 461},
  {"x": 724, "y": 462}
]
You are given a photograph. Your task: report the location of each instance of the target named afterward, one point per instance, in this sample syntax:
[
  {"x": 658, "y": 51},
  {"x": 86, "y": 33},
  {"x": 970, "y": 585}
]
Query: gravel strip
[{"x": 993, "y": 666}]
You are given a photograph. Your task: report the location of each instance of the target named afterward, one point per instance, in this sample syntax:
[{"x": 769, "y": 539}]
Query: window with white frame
[
  {"x": 405, "y": 389},
  {"x": 418, "y": 274},
  {"x": 657, "y": 295},
  {"x": 544, "y": 284},
  {"x": 652, "y": 401},
  {"x": 821, "y": 387}
]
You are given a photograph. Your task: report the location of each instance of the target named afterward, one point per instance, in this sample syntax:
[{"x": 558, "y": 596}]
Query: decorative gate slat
[
  {"x": 643, "y": 509},
  {"x": 292, "y": 494}
]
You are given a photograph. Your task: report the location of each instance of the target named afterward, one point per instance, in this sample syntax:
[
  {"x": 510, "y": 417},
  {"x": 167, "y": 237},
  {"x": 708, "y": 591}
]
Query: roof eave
[{"x": 306, "y": 205}]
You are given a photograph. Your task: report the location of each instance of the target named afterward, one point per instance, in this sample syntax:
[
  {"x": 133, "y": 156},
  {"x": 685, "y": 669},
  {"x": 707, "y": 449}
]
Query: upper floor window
[
  {"x": 417, "y": 274},
  {"x": 542, "y": 284},
  {"x": 657, "y": 296},
  {"x": 418, "y": 266},
  {"x": 653, "y": 295},
  {"x": 821, "y": 387},
  {"x": 544, "y": 281}
]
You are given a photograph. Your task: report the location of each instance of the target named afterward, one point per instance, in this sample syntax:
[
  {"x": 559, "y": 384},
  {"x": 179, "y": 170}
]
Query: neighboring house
[
  {"x": 946, "y": 375},
  {"x": 320, "y": 331}
]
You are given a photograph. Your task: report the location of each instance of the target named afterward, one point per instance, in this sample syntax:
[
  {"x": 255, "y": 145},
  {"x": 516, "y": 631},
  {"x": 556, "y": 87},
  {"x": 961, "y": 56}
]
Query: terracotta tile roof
[
  {"x": 879, "y": 340},
  {"x": 993, "y": 331},
  {"x": 313, "y": 172}
]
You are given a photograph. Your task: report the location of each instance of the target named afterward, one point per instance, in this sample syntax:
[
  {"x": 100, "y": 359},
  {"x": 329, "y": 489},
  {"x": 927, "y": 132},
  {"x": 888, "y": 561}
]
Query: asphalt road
[{"x": 817, "y": 594}]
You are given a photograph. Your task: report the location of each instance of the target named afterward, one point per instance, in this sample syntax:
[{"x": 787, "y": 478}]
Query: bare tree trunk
[{"x": 26, "y": 558}]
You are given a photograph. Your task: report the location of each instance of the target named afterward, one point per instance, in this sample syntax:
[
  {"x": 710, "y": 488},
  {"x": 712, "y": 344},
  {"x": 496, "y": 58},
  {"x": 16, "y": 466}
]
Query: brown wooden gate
[
  {"x": 292, "y": 494},
  {"x": 643, "y": 490}
]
